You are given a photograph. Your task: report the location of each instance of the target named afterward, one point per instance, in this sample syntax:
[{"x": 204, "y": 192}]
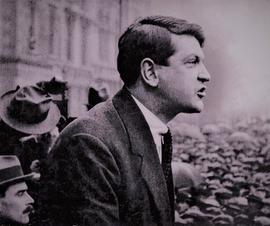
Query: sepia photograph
[{"x": 134, "y": 112}]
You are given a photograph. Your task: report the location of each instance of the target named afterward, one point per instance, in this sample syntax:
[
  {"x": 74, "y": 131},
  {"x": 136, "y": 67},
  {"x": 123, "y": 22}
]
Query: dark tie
[{"x": 167, "y": 168}]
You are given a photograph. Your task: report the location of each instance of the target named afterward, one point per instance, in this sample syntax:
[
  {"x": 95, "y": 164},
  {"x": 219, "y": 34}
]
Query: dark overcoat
[{"x": 104, "y": 170}]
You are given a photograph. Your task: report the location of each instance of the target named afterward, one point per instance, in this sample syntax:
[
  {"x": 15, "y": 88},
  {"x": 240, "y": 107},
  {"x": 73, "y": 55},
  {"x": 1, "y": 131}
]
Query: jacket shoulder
[{"x": 102, "y": 122}]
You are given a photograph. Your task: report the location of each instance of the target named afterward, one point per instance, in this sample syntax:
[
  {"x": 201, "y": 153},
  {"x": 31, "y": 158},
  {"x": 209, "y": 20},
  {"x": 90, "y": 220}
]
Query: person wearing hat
[
  {"x": 187, "y": 184},
  {"x": 15, "y": 202},
  {"x": 97, "y": 94},
  {"x": 27, "y": 116}
]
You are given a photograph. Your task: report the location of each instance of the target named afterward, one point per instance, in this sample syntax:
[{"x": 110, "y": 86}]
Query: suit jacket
[{"x": 105, "y": 170}]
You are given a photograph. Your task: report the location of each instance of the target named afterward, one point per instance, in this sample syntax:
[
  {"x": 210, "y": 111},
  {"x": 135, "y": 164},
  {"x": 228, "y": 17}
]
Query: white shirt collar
[{"x": 157, "y": 127}]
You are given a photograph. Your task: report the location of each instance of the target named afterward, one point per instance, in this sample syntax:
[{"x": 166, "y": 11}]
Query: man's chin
[
  {"x": 194, "y": 109},
  {"x": 24, "y": 220},
  {"x": 199, "y": 107}
]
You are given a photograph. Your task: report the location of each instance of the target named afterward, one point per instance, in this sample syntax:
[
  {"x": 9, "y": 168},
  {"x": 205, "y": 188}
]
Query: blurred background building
[{"x": 72, "y": 40}]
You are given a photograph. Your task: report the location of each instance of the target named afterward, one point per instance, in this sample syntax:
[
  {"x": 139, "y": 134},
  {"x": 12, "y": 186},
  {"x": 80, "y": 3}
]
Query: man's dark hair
[{"x": 150, "y": 37}]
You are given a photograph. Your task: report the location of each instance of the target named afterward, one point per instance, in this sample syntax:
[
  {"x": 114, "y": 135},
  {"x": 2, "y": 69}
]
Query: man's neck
[{"x": 152, "y": 104}]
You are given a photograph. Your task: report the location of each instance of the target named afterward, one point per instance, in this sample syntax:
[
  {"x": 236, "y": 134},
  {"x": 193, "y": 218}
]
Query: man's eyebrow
[
  {"x": 21, "y": 190},
  {"x": 197, "y": 56}
]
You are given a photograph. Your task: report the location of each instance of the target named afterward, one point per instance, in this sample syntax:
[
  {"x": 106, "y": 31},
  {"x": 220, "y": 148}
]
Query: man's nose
[
  {"x": 204, "y": 75},
  {"x": 30, "y": 200}
]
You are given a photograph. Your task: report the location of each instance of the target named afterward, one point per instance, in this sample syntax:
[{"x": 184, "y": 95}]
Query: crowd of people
[
  {"x": 118, "y": 164},
  {"x": 234, "y": 164}
]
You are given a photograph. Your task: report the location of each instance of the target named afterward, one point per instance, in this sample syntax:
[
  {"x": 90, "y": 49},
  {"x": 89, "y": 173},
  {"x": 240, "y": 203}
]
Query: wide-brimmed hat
[
  {"x": 11, "y": 170},
  {"x": 186, "y": 175},
  {"x": 29, "y": 109}
]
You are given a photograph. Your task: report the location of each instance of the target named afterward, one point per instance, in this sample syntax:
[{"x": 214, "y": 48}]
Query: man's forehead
[
  {"x": 187, "y": 45},
  {"x": 18, "y": 187}
]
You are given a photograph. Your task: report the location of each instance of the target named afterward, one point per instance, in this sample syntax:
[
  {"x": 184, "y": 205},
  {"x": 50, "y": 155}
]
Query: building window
[
  {"x": 32, "y": 29},
  {"x": 103, "y": 45},
  {"x": 83, "y": 4},
  {"x": 52, "y": 28},
  {"x": 85, "y": 45},
  {"x": 70, "y": 21}
]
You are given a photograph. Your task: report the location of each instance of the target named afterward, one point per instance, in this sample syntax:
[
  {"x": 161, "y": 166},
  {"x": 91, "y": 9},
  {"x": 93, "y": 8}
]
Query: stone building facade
[{"x": 75, "y": 40}]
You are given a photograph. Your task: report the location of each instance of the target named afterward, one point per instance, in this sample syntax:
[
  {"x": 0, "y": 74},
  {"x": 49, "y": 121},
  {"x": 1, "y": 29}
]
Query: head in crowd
[
  {"x": 28, "y": 115},
  {"x": 163, "y": 55},
  {"x": 15, "y": 202},
  {"x": 98, "y": 93},
  {"x": 57, "y": 88},
  {"x": 29, "y": 110},
  {"x": 188, "y": 184}
]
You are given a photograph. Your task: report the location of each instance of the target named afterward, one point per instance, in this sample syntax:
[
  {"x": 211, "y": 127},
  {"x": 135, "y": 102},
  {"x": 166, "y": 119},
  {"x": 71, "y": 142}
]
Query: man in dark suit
[{"x": 108, "y": 167}]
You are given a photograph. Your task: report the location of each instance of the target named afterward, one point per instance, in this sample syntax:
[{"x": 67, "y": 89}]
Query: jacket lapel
[{"x": 142, "y": 144}]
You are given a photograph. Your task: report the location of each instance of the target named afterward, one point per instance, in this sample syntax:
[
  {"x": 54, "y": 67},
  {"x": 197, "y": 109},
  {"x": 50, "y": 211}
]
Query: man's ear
[{"x": 149, "y": 73}]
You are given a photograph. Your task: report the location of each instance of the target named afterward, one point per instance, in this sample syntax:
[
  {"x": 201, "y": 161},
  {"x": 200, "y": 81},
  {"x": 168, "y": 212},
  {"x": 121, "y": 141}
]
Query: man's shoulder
[
  {"x": 108, "y": 121},
  {"x": 100, "y": 129},
  {"x": 104, "y": 115},
  {"x": 93, "y": 121}
]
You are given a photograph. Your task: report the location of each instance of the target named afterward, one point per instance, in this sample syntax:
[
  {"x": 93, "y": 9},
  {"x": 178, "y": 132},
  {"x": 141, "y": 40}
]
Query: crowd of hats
[{"x": 234, "y": 161}]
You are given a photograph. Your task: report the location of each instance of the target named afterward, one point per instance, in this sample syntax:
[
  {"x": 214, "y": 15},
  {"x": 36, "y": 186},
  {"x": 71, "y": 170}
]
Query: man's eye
[
  {"x": 193, "y": 61},
  {"x": 20, "y": 194}
]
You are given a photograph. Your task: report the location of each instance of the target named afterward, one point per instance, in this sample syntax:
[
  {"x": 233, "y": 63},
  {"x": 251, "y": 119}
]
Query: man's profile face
[
  {"x": 16, "y": 205},
  {"x": 182, "y": 82}
]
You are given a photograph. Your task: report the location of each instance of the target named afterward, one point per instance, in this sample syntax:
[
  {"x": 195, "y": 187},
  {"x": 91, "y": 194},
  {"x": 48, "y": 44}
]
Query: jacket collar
[{"x": 142, "y": 144}]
